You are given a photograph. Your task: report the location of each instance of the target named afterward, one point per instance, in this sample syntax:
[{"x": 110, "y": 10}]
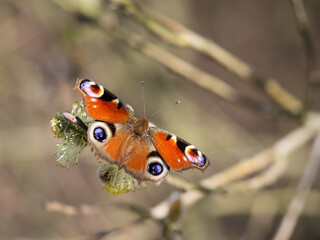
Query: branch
[
  {"x": 194, "y": 74},
  {"x": 85, "y": 209},
  {"x": 181, "y": 67},
  {"x": 178, "y": 35},
  {"x": 69, "y": 210},
  {"x": 296, "y": 205},
  {"x": 266, "y": 178}
]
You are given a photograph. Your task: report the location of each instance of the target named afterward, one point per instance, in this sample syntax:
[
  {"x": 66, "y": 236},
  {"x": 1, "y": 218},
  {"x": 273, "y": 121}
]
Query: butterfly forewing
[
  {"x": 176, "y": 152},
  {"x": 101, "y": 104}
]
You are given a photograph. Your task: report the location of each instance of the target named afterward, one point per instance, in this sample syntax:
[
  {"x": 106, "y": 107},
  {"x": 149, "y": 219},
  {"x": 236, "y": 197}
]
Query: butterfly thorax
[{"x": 141, "y": 126}]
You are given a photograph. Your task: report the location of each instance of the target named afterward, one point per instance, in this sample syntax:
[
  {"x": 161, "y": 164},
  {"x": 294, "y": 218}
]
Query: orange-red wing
[
  {"x": 101, "y": 104},
  {"x": 176, "y": 152},
  {"x": 130, "y": 153},
  {"x": 120, "y": 146}
]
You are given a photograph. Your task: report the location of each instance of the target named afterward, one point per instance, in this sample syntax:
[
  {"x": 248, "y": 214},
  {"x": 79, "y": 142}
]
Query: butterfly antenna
[
  {"x": 166, "y": 108},
  {"x": 143, "y": 101}
]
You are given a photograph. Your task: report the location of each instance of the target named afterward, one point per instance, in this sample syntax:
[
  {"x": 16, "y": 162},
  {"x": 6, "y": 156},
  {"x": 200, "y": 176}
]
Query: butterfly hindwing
[
  {"x": 143, "y": 161},
  {"x": 101, "y": 104},
  {"x": 117, "y": 144},
  {"x": 101, "y": 133},
  {"x": 176, "y": 152}
]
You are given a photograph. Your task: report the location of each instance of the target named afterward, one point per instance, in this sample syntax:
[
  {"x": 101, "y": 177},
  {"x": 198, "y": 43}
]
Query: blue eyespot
[
  {"x": 155, "y": 169},
  {"x": 99, "y": 134}
]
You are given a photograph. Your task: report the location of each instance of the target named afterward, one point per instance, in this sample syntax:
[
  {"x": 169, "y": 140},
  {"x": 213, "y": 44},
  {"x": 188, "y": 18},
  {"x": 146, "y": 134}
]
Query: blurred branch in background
[
  {"x": 313, "y": 73},
  {"x": 178, "y": 35},
  {"x": 296, "y": 205},
  {"x": 70, "y": 210}
]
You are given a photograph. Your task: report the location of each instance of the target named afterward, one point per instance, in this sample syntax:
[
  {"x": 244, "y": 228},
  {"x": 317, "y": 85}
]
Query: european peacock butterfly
[{"x": 145, "y": 152}]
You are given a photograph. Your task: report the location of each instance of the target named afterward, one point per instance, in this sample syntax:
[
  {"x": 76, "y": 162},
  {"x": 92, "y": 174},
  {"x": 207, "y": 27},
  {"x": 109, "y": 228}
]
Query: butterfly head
[{"x": 141, "y": 126}]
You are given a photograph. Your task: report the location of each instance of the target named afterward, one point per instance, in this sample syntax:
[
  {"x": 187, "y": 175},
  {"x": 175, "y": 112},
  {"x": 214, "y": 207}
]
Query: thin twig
[
  {"x": 69, "y": 210},
  {"x": 179, "y": 183},
  {"x": 296, "y": 205},
  {"x": 266, "y": 178},
  {"x": 85, "y": 209},
  {"x": 125, "y": 227}
]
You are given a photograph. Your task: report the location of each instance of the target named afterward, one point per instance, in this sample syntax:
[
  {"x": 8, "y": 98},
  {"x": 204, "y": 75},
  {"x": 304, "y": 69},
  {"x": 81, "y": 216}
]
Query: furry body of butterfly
[{"x": 145, "y": 152}]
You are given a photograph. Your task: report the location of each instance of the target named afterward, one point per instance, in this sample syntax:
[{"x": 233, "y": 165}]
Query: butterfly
[{"x": 145, "y": 152}]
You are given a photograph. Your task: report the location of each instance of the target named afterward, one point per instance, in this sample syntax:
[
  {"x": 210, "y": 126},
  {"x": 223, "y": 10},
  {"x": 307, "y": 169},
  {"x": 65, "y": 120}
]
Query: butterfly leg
[{"x": 75, "y": 120}]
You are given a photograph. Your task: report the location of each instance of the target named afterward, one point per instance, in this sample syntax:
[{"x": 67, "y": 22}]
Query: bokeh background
[{"x": 44, "y": 48}]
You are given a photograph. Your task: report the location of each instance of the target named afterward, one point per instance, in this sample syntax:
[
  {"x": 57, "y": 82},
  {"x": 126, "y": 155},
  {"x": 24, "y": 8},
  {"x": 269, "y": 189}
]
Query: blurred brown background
[{"x": 44, "y": 48}]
